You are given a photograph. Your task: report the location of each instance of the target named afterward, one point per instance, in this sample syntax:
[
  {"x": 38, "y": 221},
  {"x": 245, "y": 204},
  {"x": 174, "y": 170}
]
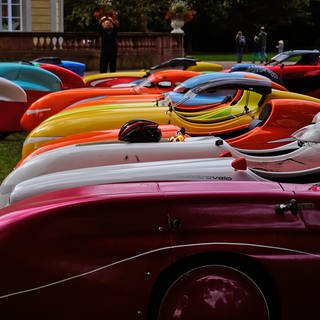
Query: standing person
[
  {"x": 108, "y": 30},
  {"x": 263, "y": 43},
  {"x": 240, "y": 45},
  {"x": 280, "y": 46},
  {"x": 255, "y": 50}
]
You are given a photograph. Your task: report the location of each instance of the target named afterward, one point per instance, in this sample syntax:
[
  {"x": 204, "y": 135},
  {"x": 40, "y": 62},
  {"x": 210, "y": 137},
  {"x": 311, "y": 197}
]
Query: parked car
[
  {"x": 299, "y": 70},
  {"x": 166, "y": 250}
]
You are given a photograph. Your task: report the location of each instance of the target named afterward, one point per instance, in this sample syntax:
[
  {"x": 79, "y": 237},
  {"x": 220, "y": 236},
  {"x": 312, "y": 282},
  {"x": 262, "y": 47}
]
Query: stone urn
[{"x": 176, "y": 25}]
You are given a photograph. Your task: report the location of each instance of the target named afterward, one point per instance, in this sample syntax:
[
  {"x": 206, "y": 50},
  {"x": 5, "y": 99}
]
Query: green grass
[
  {"x": 10, "y": 152},
  {"x": 223, "y": 56}
]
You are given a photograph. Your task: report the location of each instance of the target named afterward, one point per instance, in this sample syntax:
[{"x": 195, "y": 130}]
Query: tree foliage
[{"x": 215, "y": 22}]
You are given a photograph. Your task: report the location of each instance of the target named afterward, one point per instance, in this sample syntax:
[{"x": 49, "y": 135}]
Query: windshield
[
  {"x": 295, "y": 59},
  {"x": 181, "y": 89},
  {"x": 146, "y": 83},
  {"x": 278, "y": 58}
]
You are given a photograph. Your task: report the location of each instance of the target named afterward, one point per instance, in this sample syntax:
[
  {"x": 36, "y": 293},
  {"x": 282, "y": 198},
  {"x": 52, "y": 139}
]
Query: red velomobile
[
  {"x": 69, "y": 79},
  {"x": 298, "y": 70},
  {"x": 167, "y": 250},
  {"x": 13, "y": 103}
]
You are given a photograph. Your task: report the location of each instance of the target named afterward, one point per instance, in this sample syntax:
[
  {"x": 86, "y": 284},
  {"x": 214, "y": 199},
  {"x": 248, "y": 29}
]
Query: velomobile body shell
[
  {"x": 75, "y": 66},
  {"x": 36, "y": 82},
  {"x": 221, "y": 119},
  {"x": 102, "y": 136},
  {"x": 152, "y": 245},
  {"x": 276, "y": 122},
  {"x": 299, "y": 160},
  {"x": 217, "y": 169},
  {"x": 110, "y": 79},
  {"x": 115, "y": 78},
  {"x": 13, "y": 103},
  {"x": 156, "y": 83},
  {"x": 87, "y": 155},
  {"x": 69, "y": 79}
]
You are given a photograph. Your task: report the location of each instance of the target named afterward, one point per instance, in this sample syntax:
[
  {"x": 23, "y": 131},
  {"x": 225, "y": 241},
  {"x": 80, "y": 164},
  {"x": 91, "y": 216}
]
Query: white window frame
[{"x": 9, "y": 4}]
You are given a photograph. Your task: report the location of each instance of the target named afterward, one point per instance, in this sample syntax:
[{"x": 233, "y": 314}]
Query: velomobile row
[
  {"x": 96, "y": 163},
  {"x": 157, "y": 84},
  {"x": 36, "y": 82},
  {"x": 153, "y": 85},
  {"x": 49, "y": 74},
  {"x": 126, "y": 77},
  {"x": 228, "y": 106},
  {"x": 87, "y": 241}
]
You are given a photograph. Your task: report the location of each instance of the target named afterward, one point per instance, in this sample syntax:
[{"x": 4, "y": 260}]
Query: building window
[{"x": 11, "y": 15}]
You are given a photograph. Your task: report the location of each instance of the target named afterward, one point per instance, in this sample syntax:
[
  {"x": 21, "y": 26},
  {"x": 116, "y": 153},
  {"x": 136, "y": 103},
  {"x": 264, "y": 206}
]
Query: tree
[
  {"x": 216, "y": 21},
  {"x": 140, "y": 15}
]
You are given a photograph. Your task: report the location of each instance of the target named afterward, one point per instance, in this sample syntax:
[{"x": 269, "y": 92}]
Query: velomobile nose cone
[{"x": 309, "y": 133}]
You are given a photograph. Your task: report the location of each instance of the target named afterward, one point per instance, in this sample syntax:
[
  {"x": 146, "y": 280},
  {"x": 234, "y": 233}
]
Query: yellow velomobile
[
  {"x": 228, "y": 105},
  {"x": 113, "y": 78}
]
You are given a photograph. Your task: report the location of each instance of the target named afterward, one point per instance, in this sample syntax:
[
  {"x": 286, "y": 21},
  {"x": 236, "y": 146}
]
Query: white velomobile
[
  {"x": 298, "y": 162},
  {"x": 89, "y": 155},
  {"x": 215, "y": 169}
]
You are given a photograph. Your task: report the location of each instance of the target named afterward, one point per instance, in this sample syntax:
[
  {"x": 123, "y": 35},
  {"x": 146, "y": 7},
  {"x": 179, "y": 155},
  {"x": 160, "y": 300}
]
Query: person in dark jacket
[
  {"x": 263, "y": 37},
  {"x": 255, "y": 49},
  {"x": 108, "y": 29},
  {"x": 240, "y": 42}
]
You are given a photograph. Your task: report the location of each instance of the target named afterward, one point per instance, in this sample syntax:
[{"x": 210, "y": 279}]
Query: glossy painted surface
[
  {"x": 22, "y": 84},
  {"x": 102, "y": 136},
  {"x": 184, "y": 169},
  {"x": 297, "y": 162},
  {"x": 108, "y": 246},
  {"x": 155, "y": 84},
  {"x": 13, "y": 103},
  {"x": 285, "y": 117},
  {"x": 74, "y": 66},
  {"x": 219, "y": 119},
  {"x": 111, "y": 79},
  {"x": 68, "y": 78},
  {"x": 299, "y": 70},
  {"x": 214, "y": 292},
  {"x": 205, "y": 66},
  {"x": 30, "y": 77},
  {"x": 90, "y": 155}
]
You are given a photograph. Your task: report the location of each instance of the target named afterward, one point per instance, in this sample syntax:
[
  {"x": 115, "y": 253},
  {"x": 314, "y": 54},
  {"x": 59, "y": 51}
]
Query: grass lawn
[
  {"x": 223, "y": 56},
  {"x": 10, "y": 152}
]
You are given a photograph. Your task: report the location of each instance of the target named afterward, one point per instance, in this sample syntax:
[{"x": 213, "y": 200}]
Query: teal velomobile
[{"x": 20, "y": 85}]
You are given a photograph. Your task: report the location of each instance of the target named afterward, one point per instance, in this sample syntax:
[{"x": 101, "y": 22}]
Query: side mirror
[{"x": 282, "y": 66}]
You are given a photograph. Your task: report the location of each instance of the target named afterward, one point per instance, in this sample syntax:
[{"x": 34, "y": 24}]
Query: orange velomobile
[{"x": 157, "y": 83}]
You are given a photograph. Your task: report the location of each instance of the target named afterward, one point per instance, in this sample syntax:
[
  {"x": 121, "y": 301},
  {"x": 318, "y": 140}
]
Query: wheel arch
[{"x": 243, "y": 263}]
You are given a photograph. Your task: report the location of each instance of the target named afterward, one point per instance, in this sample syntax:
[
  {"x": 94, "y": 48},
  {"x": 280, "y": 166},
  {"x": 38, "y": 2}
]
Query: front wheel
[{"x": 212, "y": 292}]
